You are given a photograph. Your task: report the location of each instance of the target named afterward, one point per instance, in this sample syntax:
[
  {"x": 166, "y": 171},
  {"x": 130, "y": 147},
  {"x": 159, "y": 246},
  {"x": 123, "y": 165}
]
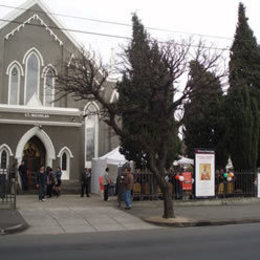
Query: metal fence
[
  {"x": 242, "y": 184},
  {"x": 8, "y": 187},
  {"x": 146, "y": 187}
]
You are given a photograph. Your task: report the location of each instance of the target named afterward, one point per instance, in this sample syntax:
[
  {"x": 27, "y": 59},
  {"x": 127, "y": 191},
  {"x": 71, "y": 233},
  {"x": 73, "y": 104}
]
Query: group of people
[
  {"x": 48, "y": 182},
  {"x": 125, "y": 183},
  {"x": 175, "y": 179}
]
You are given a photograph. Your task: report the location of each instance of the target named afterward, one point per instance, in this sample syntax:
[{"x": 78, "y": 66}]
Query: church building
[{"x": 33, "y": 128}]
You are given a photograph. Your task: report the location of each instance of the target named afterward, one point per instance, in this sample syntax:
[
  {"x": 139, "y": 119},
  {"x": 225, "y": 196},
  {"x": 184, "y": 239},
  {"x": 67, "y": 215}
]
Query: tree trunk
[{"x": 168, "y": 210}]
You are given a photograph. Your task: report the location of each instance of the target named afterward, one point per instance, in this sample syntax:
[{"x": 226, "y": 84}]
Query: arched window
[
  {"x": 65, "y": 156},
  {"x": 32, "y": 77},
  {"x": 64, "y": 162},
  {"x": 49, "y": 87},
  {"x": 14, "y": 72},
  {"x": 91, "y": 133},
  {"x": 14, "y": 86},
  {"x": 3, "y": 160}
]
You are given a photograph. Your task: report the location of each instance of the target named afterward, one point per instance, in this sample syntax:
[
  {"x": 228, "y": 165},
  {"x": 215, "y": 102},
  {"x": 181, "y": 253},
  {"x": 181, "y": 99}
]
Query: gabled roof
[{"x": 27, "y": 5}]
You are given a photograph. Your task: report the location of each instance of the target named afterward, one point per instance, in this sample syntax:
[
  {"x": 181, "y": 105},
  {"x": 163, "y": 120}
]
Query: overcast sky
[{"x": 206, "y": 17}]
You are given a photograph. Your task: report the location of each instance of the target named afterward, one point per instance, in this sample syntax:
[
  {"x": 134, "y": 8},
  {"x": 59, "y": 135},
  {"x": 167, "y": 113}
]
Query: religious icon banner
[{"x": 204, "y": 173}]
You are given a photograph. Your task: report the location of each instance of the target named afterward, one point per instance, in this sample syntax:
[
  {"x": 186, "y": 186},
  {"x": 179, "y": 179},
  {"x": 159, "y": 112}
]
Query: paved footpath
[{"x": 73, "y": 214}]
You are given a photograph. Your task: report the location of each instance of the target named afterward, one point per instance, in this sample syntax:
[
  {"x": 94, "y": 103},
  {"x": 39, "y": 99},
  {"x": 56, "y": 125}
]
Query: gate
[{"x": 8, "y": 187}]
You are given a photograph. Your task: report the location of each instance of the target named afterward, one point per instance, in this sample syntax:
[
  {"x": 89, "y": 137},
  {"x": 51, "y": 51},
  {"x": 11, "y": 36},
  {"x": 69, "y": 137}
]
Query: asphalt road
[{"x": 222, "y": 242}]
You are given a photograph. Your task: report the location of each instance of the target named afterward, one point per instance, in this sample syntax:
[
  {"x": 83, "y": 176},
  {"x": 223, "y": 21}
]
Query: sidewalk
[
  {"x": 72, "y": 214},
  {"x": 200, "y": 212}
]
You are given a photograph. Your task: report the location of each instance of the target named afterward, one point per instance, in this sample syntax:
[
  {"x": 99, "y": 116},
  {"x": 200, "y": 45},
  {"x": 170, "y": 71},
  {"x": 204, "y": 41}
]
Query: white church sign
[{"x": 204, "y": 173}]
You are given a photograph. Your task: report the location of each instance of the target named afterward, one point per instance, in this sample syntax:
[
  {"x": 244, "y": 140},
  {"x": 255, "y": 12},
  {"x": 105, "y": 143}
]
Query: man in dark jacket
[
  {"x": 85, "y": 181},
  {"x": 42, "y": 183}
]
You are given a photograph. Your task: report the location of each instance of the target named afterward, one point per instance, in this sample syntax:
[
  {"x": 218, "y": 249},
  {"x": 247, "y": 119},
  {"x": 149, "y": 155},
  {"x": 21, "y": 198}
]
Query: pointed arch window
[
  {"x": 32, "y": 77},
  {"x": 64, "y": 162},
  {"x": 91, "y": 133},
  {"x": 4, "y": 160},
  {"x": 14, "y": 85},
  {"x": 14, "y": 72},
  {"x": 65, "y": 165},
  {"x": 49, "y": 87},
  {"x": 65, "y": 156}
]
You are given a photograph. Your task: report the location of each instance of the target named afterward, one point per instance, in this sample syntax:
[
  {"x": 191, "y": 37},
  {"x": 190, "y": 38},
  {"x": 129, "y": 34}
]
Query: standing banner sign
[
  {"x": 187, "y": 183},
  {"x": 204, "y": 173}
]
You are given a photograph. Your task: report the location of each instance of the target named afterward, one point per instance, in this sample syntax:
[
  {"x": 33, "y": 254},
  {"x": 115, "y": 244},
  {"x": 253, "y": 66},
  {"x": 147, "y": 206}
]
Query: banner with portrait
[{"x": 204, "y": 173}]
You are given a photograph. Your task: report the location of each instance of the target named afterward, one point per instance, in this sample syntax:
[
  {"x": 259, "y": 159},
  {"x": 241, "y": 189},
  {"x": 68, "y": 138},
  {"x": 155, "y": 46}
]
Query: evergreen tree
[
  {"x": 204, "y": 121},
  {"x": 147, "y": 86},
  {"x": 243, "y": 124},
  {"x": 244, "y": 65},
  {"x": 243, "y": 111}
]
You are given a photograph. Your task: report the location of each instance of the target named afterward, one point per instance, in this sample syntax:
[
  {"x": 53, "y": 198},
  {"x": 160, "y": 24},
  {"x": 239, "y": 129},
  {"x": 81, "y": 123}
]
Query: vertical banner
[
  {"x": 258, "y": 185},
  {"x": 204, "y": 173},
  {"x": 187, "y": 183}
]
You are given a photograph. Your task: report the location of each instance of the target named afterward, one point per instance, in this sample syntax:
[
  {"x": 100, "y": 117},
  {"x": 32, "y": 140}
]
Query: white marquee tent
[
  {"x": 114, "y": 159},
  {"x": 184, "y": 161}
]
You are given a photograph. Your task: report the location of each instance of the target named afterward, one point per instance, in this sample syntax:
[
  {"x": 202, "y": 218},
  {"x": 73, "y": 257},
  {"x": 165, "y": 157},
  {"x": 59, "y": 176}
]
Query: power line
[
  {"x": 119, "y": 23},
  {"x": 70, "y": 30},
  {"x": 108, "y": 35}
]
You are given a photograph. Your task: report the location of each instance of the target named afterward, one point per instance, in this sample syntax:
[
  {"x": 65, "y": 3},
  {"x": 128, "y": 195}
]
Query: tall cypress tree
[
  {"x": 204, "y": 124},
  {"x": 140, "y": 87},
  {"x": 146, "y": 91},
  {"x": 242, "y": 103}
]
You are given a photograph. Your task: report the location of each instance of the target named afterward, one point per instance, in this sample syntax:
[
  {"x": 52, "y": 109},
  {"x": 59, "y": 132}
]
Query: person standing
[
  {"x": 85, "y": 182},
  {"x": 107, "y": 182},
  {"x": 177, "y": 186},
  {"x": 41, "y": 183},
  {"x": 50, "y": 181},
  {"x": 13, "y": 177},
  {"x": 58, "y": 181},
  {"x": 128, "y": 186},
  {"x": 120, "y": 189},
  {"x": 23, "y": 174}
]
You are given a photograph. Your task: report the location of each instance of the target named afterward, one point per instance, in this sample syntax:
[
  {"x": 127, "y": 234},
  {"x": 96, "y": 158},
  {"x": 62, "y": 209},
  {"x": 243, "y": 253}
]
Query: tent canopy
[
  {"x": 184, "y": 161},
  {"x": 114, "y": 157}
]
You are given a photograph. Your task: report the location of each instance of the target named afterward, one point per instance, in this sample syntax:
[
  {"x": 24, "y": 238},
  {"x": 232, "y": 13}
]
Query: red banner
[{"x": 187, "y": 183}]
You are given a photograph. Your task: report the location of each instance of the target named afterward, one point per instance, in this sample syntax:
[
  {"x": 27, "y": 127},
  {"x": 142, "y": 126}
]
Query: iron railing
[
  {"x": 8, "y": 187},
  {"x": 242, "y": 184}
]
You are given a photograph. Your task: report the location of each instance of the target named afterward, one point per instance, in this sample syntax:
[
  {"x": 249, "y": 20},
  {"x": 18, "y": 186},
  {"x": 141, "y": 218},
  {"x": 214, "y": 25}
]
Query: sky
[{"x": 212, "y": 20}]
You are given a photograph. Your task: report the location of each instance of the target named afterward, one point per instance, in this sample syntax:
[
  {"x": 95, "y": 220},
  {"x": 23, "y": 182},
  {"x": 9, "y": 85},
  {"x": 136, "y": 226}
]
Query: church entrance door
[{"x": 34, "y": 154}]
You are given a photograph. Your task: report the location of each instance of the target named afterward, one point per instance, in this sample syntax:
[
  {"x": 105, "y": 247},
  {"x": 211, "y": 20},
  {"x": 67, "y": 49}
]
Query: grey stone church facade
[{"x": 32, "y": 127}]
